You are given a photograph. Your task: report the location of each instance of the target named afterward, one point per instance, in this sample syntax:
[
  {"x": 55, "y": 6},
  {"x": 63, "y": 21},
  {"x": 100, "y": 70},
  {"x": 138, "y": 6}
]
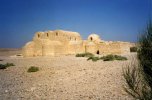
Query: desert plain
[{"x": 62, "y": 78}]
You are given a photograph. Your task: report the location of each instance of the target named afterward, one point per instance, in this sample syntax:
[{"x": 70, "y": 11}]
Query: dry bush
[
  {"x": 139, "y": 79},
  {"x": 87, "y": 54},
  {"x": 33, "y": 69},
  {"x": 4, "y": 66}
]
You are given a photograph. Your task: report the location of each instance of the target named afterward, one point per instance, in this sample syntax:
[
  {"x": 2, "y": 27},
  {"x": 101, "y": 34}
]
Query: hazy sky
[{"x": 116, "y": 20}]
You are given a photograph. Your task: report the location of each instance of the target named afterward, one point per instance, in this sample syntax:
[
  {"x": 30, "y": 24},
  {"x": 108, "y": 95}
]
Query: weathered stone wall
[
  {"x": 28, "y": 49},
  {"x": 59, "y": 42},
  {"x": 75, "y": 47},
  {"x": 58, "y": 35},
  {"x": 51, "y": 43},
  {"x": 114, "y": 48},
  {"x": 91, "y": 47}
]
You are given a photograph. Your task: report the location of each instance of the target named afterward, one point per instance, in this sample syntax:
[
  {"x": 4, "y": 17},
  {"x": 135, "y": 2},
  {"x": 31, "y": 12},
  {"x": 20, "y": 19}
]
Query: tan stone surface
[{"x": 59, "y": 42}]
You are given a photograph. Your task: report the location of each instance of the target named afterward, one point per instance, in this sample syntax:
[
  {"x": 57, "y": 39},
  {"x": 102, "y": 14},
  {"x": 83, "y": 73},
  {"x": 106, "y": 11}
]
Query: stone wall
[
  {"x": 59, "y": 42},
  {"x": 52, "y": 43}
]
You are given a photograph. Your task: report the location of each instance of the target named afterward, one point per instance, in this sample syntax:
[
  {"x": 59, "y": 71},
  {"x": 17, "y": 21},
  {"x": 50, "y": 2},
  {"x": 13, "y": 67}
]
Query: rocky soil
[{"x": 63, "y": 78}]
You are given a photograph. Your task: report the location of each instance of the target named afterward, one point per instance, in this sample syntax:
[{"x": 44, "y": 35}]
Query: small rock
[
  {"x": 6, "y": 91},
  {"x": 33, "y": 88}
]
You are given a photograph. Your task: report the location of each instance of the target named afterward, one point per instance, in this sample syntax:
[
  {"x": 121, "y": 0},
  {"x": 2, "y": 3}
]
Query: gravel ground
[{"x": 63, "y": 78}]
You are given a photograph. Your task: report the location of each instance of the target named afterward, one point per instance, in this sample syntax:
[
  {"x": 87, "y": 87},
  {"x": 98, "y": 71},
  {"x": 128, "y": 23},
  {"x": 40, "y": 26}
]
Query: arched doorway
[
  {"x": 98, "y": 52},
  {"x": 91, "y": 38}
]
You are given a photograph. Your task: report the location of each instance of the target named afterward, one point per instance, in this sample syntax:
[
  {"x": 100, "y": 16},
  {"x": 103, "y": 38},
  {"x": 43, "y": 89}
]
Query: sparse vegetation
[
  {"x": 119, "y": 57},
  {"x": 139, "y": 79},
  {"x": 4, "y": 66},
  {"x": 107, "y": 58},
  {"x": 93, "y": 58},
  {"x": 113, "y": 57},
  {"x": 87, "y": 54},
  {"x": 18, "y": 55},
  {"x": 33, "y": 69},
  {"x": 133, "y": 49},
  {"x": 9, "y": 64},
  {"x": 104, "y": 58}
]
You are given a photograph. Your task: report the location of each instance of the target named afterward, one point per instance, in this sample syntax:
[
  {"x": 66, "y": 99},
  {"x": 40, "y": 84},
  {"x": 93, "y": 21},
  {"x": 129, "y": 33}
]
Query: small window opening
[
  {"x": 56, "y": 33},
  {"x": 98, "y": 52},
  {"x": 38, "y": 35},
  {"x": 75, "y": 39},
  {"x": 91, "y": 38}
]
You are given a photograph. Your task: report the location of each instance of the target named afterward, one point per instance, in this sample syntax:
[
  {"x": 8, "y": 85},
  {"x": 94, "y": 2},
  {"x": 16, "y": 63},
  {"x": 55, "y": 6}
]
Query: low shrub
[
  {"x": 139, "y": 78},
  {"x": 80, "y": 55},
  {"x": 4, "y": 66},
  {"x": 108, "y": 58},
  {"x": 93, "y": 58},
  {"x": 133, "y": 80},
  {"x": 87, "y": 54},
  {"x": 9, "y": 64},
  {"x": 18, "y": 55},
  {"x": 104, "y": 58},
  {"x": 119, "y": 57},
  {"x": 113, "y": 57},
  {"x": 33, "y": 69},
  {"x": 133, "y": 49}
]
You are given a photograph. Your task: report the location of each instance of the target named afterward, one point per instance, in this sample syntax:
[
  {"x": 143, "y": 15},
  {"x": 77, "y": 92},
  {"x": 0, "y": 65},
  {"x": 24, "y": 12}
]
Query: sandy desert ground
[
  {"x": 9, "y": 51},
  {"x": 62, "y": 78}
]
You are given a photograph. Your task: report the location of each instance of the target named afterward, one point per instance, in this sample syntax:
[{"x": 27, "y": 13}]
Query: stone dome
[
  {"x": 94, "y": 38},
  {"x": 29, "y": 44}
]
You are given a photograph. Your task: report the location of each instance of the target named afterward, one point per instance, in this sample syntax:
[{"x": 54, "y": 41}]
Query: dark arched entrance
[
  {"x": 91, "y": 38},
  {"x": 98, "y": 52}
]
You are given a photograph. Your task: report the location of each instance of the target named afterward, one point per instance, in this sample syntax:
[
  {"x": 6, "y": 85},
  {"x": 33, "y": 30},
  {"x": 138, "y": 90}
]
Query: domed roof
[
  {"x": 29, "y": 44},
  {"x": 94, "y": 38}
]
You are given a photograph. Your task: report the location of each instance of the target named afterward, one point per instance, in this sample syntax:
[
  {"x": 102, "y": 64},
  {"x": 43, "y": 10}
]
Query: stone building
[{"x": 61, "y": 42}]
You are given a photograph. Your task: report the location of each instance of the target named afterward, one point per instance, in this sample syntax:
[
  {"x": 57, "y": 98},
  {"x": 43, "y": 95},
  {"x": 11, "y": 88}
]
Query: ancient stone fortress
[{"x": 61, "y": 42}]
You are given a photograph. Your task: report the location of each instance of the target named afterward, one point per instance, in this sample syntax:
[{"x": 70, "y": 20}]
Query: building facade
[{"x": 59, "y": 42}]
